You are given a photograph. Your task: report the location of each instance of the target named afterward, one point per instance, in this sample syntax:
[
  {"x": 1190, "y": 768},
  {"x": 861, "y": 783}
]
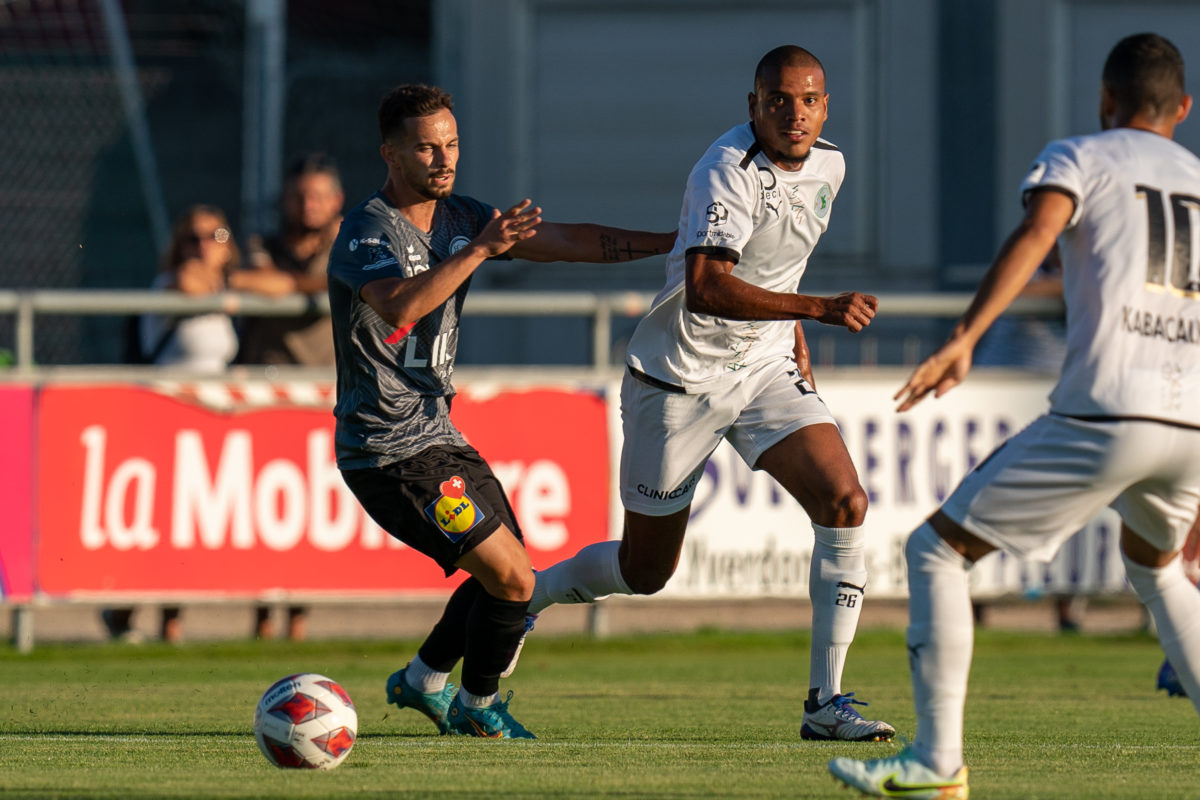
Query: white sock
[
  {"x": 419, "y": 676},
  {"x": 941, "y": 635},
  {"x": 1175, "y": 605},
  {"x": 836, "y": 581},
  {"x": 591, "y": 574},
  {"x": 477, "y": 700}
]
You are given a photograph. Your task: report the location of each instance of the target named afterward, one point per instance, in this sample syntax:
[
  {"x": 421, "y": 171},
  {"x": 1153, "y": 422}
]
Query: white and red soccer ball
[{"x": 305, "y": 721}]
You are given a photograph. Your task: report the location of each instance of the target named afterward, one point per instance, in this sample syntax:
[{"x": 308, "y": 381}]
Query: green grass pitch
[{"x": 709, "y": 715}]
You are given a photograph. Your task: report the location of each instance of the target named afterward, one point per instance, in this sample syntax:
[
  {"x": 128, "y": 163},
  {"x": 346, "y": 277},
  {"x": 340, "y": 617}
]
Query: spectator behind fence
[
  {"x": 200, "y": 260},
  {"x": 294, "y": 261}
]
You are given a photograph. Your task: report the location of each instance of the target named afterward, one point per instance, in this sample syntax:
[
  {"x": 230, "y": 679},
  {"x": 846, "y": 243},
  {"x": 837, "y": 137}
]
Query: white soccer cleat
[
  {"x": 901, "y": 775},
  {"x": 837, "y": 720}
]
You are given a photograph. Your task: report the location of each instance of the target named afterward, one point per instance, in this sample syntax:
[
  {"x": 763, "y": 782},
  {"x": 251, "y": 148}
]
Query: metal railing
[{"x": 602, "y": 307}]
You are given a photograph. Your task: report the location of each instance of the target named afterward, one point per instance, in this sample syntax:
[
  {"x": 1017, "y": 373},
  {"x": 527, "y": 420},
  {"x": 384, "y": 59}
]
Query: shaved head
[{"x": 788, "y": 55}]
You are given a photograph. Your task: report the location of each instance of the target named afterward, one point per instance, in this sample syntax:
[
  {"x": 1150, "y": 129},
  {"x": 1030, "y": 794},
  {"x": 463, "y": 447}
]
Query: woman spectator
[{"x": 200, "y": 260}]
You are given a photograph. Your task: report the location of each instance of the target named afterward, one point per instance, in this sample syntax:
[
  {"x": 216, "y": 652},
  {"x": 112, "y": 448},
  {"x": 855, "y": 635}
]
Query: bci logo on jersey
[{"x": 455, "y": 513}]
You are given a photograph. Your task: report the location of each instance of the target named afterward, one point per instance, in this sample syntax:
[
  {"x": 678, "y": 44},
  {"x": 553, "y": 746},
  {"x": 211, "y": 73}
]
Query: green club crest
[{"x": 823, "y": 200}]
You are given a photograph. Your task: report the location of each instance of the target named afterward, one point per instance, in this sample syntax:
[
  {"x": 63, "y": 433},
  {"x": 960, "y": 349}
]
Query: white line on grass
[{"x": 593, "y": 745}]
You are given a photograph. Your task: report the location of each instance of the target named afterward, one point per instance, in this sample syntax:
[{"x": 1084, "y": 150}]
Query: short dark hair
[
  {"x": 788, "y": 55},
  {"x": 1144, "y": 73},
  {"x": 407, "y": 101},
  {"x": 315, "y": 163}
]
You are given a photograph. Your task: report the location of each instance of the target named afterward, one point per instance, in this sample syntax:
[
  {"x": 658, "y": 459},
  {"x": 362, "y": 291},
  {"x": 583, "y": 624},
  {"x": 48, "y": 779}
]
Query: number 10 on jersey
[{"x": 1179, "y": 254}]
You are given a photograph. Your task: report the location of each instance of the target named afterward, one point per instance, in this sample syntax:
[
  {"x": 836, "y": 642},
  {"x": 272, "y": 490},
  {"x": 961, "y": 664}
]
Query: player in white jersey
[
  {"x": 721, "y": 355},
  {"x": 1123, "y": 427}
]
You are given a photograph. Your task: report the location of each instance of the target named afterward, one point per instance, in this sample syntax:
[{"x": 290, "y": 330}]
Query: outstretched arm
[
  {"x": 1046, "y": 215},
  {"x": 562, "y": 241},
  {"x": 713, "y": 289},
  {"x": 403, "y": 301}
]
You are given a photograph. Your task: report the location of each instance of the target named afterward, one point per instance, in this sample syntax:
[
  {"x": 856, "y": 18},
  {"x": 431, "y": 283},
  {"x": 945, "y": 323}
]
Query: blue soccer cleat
[
  {"x": 1169, "y": 679},
  {"x": 434, "y": 705},
  {"x": 493, "y": 722}
]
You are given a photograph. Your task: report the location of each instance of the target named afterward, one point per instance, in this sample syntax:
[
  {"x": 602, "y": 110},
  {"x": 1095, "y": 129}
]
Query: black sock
[
  {"x": 447, "y": 641},
  {"x": 493, "y": 629}
]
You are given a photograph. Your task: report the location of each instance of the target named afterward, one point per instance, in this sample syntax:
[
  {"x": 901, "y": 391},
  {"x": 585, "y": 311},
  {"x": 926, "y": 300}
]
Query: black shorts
[{"x": 441, "y": 502}]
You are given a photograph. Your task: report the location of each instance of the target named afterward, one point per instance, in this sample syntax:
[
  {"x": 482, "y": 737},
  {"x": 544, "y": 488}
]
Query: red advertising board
[
  {"x": 16, "y": 492},
  {"x": 140, "y": 491}
]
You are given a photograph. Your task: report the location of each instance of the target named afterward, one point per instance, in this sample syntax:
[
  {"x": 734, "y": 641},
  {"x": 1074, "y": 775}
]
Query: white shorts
[
  {"x": 669, "y": 435},
  {"x": 1045, "y": 483}
]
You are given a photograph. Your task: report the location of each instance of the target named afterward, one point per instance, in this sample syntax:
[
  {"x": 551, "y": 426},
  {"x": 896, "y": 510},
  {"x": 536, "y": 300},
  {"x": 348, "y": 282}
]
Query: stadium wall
[{"x": 126, "y": 490}]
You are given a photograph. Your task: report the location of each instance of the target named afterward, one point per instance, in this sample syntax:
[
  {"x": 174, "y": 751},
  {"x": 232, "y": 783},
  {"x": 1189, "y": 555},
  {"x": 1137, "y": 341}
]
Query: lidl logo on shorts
[
  {"x": 822, "y": 201},
  {"x": 455, "y": 513}
]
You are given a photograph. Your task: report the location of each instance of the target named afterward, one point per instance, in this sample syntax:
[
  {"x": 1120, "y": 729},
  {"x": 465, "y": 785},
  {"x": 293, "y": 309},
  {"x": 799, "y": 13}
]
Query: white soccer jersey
[
  {"x": 765, "y": 219},
  {"x": 1130, "y": 256}
]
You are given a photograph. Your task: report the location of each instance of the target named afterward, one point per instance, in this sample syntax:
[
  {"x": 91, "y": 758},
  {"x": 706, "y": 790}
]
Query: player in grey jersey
[
  {"x": 1123, "y": 428},
  {"x": 398, "y": 276}
]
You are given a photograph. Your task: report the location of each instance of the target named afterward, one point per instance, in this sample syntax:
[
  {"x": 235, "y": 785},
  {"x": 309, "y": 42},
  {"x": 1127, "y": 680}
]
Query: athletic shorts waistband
[
  {"x": 1111, "y": 418},
  {"x": 650, "y": 380}
]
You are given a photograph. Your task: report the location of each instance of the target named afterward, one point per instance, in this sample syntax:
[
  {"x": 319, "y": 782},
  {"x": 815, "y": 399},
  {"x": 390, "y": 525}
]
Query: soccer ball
[{"x": 305, "y": 721}]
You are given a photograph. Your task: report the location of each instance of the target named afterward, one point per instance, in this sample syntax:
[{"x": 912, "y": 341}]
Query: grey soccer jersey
[
  {"x": 766, "y": 220},
  {"x": 1131, "y": 258},
  {"x": 393, "y": 385}
]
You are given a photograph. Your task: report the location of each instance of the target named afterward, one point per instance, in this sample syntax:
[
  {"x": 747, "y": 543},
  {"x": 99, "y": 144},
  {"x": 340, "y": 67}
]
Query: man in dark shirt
[
  {"x": 294, "y": 261},
  {"x": 398, "y": 275}
]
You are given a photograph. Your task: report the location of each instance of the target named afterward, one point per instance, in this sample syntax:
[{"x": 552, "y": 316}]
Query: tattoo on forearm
[{"x": 612, "y": 249}]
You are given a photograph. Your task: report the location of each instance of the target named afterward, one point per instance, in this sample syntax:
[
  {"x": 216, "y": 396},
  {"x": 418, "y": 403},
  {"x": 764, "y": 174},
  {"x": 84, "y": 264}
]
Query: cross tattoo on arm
[{"x": 611, "y": 249}]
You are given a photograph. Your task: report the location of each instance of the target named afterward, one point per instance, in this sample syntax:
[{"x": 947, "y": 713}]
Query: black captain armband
[{"x": 722, "y": 253}]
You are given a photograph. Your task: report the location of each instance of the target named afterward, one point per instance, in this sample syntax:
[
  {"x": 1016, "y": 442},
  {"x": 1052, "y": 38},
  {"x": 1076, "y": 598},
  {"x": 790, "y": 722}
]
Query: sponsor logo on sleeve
[
  {"x": 716, "y": 215},
  {"x": 379, "y": 252},
  {"x": 458, "y": 243}
]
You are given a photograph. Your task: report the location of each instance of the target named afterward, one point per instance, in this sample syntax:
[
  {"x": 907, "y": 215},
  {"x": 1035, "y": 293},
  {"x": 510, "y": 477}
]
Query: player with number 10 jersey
[{"x": 1130, "y": 258}]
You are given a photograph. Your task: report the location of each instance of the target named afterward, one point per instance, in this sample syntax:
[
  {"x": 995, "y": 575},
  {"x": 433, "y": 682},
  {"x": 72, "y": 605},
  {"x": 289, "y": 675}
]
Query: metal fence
[{"x": 600, "y": 309}]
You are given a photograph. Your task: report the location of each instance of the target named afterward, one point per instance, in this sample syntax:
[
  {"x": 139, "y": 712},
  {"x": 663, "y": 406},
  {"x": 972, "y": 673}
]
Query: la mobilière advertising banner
[
  {"x": 16, "y": 491},
  {"x": 225, "y": 490}
]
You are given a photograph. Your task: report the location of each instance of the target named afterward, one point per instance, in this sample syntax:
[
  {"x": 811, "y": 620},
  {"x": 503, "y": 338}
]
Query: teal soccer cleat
[
  {"x": 493, "y": 722},
  {"x": 434, "y": 705}
]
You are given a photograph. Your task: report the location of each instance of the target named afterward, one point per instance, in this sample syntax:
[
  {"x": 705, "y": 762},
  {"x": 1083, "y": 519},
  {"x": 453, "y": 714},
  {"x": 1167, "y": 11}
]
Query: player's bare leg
[
  {"x": 650, "y": 549},
  {"x": 812, "y": 464},
  {"x": 1159, "y": 581}
]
